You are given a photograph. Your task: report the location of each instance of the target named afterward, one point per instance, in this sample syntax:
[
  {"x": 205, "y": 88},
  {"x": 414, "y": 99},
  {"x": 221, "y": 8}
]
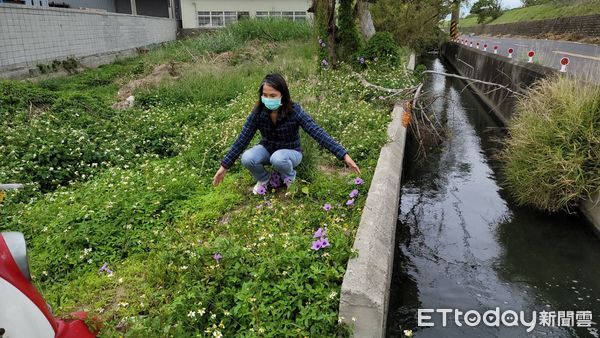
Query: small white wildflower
[{"x": 192, "y": 314}]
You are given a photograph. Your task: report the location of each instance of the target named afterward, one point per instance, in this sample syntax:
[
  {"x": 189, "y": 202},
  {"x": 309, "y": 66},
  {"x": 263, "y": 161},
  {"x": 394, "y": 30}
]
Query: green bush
[
  {"x": 382, "y": 47},
  {"x": 552, "y": 157}
]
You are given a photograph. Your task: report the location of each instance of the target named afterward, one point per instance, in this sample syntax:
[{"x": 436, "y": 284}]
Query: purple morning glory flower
[
  {"x": 261, "y": 190},
  {"x": 324, "y": 243},
  {"x": 350, "y": 202},
  {"x": 324, "y": 63},
  {"x": 274, "y": 183},
  {"x": 319, "y": 233},
  {"x": 322, "y": 44},
  {"x": 105, "y": 268},
  {"x": 217, "y": 257},
  {"x": 316, "y": 245},
  {"x": 353, "y": 193},
  {"x": 358, "y": 181},
  {"x": 287, "y": 181},
  {"x": 327, "y": 207},
  {"x": 361, "y": 60}
]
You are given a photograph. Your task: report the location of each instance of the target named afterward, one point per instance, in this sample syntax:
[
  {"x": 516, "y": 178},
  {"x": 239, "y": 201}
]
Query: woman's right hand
[{"x": 219, "y": 176}]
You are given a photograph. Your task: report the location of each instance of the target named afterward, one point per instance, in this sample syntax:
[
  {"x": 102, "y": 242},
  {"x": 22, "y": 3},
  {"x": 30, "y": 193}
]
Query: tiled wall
[{"x": 35, "y": 35}]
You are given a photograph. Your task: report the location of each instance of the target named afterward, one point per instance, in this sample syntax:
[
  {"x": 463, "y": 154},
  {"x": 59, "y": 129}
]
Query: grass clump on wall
[{"x": 553, "y": 154}]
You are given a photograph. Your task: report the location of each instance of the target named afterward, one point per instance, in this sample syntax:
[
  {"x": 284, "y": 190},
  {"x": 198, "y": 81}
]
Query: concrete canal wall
[
  {"x": 486, "y": 66},
  {"x": 366, "y": 286}
]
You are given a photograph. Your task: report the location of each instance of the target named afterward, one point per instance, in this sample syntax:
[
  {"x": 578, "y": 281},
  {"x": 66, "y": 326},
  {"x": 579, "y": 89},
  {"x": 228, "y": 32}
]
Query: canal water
[{"x": 462, "y": 243}]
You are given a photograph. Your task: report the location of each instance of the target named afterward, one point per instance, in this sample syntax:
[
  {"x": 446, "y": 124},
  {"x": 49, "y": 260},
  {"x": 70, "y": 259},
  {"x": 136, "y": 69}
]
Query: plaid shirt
[{"x": 283, "y": 135}]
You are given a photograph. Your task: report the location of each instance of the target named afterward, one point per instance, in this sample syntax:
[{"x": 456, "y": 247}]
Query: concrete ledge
[
  {"x": 366, "y": 286},
  {"x": 591, "y": 211}
]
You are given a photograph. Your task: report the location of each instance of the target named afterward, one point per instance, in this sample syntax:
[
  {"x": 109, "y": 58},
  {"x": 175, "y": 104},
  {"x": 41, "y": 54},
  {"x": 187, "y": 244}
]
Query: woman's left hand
[{"x": 351, "y": 164}]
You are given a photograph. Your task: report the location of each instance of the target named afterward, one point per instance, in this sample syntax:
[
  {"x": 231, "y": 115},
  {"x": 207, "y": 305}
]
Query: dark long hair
[{"x": 277, "y": 82}]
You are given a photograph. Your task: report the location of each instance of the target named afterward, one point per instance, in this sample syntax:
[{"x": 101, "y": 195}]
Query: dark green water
[{"x": 462, "y": 243}]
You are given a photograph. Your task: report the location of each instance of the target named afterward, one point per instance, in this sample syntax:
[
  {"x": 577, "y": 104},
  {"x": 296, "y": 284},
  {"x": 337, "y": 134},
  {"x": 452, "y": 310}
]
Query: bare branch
[{"x": 473, "y": 80}]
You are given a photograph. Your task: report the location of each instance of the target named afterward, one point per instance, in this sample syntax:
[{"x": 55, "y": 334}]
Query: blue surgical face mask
[{"x": 272, "y": 104}]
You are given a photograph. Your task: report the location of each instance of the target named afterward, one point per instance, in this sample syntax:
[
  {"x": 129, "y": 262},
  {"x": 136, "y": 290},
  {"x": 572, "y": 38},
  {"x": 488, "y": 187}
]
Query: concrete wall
[
  {"x": 365, "y": 290},
  {"x": 591, "y": 210},
  {"x": 34, "y": 35},
  {"x": 582, "y": 26},
  {"x": 190, "y": 8},
  {"x": 489, "y": 67}
]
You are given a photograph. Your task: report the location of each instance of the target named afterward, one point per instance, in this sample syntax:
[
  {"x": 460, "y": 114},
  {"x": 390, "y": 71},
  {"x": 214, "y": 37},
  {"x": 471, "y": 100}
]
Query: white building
[{"x": 218, "y": 13}]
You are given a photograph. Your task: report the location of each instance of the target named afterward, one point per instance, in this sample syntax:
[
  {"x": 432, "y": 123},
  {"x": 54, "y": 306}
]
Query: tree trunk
[
  {"x": 366, "y": 21},
  {"x": 331, "y": 32}
]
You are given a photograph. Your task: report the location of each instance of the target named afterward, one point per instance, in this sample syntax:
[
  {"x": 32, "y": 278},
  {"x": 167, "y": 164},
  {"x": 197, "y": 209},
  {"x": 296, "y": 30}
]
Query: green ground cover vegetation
[{"x": 119, "y": 212}]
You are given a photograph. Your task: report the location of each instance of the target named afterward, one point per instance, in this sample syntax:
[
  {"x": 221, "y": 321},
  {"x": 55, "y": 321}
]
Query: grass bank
[
  {"x": 130, "y": 190},
  {"x": 540, "y": 12}
]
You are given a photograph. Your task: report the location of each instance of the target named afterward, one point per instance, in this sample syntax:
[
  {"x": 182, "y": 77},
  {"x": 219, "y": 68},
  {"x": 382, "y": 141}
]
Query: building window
[
  {"x": 203, "y": 19},
  {"x": 219, "y": 18},
  {"x": 288, "y": 15},
  {"x": 243, "y": 16},
  {"x": 230, "y": 17},
  {"x": 262, "y": 15},
  {"x": 299, "y": 16}
]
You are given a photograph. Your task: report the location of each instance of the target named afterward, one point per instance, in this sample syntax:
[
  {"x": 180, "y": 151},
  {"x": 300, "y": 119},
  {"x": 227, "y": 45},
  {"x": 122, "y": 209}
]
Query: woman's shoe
[{"x": 260, "y": 188}]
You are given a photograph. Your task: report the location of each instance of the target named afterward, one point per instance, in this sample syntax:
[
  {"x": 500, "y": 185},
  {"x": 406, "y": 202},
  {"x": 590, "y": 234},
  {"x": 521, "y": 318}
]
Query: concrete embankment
[
  {"x": 366, "y": 286},
  {"x": 517, "y": 76},
  {"x": 489, "y": 67}
]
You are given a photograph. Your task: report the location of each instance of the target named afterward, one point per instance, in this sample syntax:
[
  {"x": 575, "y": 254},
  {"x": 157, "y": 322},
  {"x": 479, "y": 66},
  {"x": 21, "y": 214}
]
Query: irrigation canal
[{"x": 462, "y": 243}]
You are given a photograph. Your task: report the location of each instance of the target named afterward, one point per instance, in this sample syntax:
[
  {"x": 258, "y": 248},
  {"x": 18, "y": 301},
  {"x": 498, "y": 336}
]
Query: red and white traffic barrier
[
  {"x": 530, "y": 54},
  {"x": 471, "y": 44},
  {"x": 563, "y": 64},
  {"x": 478, "y": 45},
  {"x": 510, "y": 52},
  {"x": 485, "y": 47},
  {"x": 495, "y": 49}
]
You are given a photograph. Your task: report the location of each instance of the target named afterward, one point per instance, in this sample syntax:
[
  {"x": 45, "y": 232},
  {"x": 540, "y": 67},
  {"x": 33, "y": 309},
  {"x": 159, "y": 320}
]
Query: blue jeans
[{"x": 282, "y": 160}]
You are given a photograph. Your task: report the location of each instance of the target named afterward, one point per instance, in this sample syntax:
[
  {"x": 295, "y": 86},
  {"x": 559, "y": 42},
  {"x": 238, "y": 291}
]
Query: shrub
[
  {"x": 552, "y": 157},
  {"x": 382, "y": 47}
]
